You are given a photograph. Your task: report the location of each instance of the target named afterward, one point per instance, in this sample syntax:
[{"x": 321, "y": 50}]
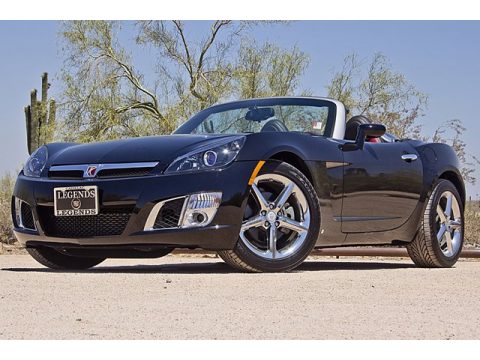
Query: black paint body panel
[{"x": 367, "y": 196}]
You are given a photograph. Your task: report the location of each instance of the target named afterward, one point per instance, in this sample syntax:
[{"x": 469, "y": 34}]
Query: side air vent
[
  {"x": 170, "y": 214},
  {"x": 195, "y": 210},
  {"x": 23, "y": 215},
  {"x": 27, "y": 216}
]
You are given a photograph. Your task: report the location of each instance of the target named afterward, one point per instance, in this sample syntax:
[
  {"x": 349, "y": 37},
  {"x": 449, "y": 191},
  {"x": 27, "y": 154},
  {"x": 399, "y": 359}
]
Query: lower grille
[
  {"x": 66, "y": 174},
  {"x": 169, "y": 214},
  {"x": 110, "y": 221},
  {"x": 113, "y": 173}
]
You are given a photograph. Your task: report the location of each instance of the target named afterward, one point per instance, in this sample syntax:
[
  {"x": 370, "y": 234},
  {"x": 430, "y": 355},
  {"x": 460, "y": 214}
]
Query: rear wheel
[
  {"x": 281, "y": 222},
  {"x": 440, "y": 238},
  {"x": 54, "y": 259}
]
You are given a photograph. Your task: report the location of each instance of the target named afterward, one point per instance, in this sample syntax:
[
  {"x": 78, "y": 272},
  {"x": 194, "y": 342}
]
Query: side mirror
[{"x": 364, "y": 130}]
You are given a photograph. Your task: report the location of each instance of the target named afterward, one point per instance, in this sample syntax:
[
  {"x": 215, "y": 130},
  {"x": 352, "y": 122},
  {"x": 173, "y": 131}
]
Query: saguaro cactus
[{"x": 40, "y": 117}]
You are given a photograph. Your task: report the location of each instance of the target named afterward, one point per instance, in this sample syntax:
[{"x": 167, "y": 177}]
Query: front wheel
[
  {"x": 440, "y": 238},
  {"x": 281, "y": 222},
  {"x": 56, "y": 260}
]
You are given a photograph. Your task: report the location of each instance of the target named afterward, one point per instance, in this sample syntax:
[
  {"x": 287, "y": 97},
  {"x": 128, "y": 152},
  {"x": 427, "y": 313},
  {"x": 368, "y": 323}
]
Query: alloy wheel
[
  {"x": 449, "y": 224},
  {"x": 277, "y": 217}
]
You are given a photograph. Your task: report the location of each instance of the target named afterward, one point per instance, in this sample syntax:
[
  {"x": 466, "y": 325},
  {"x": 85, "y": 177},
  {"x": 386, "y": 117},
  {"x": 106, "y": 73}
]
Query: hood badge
[{"x": 91, "y": 171}]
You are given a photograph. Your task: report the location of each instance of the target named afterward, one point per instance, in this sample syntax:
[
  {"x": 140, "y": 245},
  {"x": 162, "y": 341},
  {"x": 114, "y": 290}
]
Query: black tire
[
  {"x": 54, "y": 259},
  {"x": 425, "y": 249},
  {"x": 242, "y": 258}
]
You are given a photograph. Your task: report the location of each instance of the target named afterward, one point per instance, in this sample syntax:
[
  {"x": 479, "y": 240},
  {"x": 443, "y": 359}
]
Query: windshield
[{"x": 261, "y": 115}]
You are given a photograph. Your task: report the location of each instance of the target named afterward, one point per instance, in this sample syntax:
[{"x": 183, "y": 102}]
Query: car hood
[{"x": 162, "y": 149}]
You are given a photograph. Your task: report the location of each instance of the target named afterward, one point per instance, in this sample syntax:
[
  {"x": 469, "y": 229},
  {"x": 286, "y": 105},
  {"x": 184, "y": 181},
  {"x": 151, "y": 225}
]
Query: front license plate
[{"x": 76, "y": 201}]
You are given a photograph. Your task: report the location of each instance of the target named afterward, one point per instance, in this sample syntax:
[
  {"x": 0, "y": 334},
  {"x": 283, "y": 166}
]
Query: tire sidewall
[
  {"x": 440, "y": 188},
  {"x": 292, "y": 261}
]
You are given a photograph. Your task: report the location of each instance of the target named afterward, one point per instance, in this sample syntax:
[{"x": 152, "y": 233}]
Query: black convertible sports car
[{"x": 261, "y": 181}]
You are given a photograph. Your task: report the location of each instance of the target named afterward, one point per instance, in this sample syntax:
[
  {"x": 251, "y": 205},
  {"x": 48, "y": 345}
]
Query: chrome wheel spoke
[
  {"x": 441, "y": 214},
  {"x": 261, "y": 199},
  {"x": 256, "y": 221},
  {"x": 448, "y": 207},
  {"x": 284, "y": 195},
  {"x": 272, "y": 241},
  {"x": 450, "y": 231},
  {"x": 441, "y": 232},
  {"x": 290, "y": 224}
]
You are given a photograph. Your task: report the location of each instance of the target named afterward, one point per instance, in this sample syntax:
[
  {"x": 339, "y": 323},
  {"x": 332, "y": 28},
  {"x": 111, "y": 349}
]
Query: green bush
[{"x": 7, "y": 182}]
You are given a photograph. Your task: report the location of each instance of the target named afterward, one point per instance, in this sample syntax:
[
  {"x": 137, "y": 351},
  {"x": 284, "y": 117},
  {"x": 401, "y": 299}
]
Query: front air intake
[
  {"x": 193, "y": 210},
  {"x": 170, "y": 214},
  {"x": 27, "y": 216},
  {"x": 22, "y": 215}
]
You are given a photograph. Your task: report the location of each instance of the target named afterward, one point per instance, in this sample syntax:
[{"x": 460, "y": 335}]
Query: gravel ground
[{"x": 201, "y": 298}]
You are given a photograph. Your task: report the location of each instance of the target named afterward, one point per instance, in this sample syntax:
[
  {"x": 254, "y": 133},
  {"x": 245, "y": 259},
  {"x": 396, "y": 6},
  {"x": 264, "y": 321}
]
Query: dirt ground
[{"x": 185, "y": 297}]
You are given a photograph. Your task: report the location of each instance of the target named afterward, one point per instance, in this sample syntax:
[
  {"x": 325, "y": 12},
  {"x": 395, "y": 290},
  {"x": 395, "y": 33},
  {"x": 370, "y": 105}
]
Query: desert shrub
[
  {"x": 472, "y": 223},
  {"x": 7, "y": 182}
]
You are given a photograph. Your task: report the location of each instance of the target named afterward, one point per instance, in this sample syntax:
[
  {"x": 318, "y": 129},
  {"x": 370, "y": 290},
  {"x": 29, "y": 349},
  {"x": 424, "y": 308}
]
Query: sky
[{"x": 441, "y": 58}]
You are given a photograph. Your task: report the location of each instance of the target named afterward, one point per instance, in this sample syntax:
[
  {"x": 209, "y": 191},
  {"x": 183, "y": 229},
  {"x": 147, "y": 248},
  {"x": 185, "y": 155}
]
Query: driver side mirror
[{"x": 364, "y": 130}]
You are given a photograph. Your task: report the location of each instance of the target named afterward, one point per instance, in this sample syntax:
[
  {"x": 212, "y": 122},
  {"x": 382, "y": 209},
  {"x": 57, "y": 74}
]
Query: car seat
[{"x": 351, "y": 128}]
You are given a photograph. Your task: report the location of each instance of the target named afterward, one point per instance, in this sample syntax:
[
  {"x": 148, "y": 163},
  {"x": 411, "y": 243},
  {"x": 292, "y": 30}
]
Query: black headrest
[
  {"x": 274, "y": 125},
  {"x": 352, "y": 125}
]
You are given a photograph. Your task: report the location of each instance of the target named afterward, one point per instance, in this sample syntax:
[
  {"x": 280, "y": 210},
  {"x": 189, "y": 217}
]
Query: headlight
[
  {"x": 36, "y": 162},
  {"x": 211, "y": 156}
]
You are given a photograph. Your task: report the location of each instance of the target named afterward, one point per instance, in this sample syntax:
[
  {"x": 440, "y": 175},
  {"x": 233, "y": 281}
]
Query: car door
[{"x": 382, "y": 185}]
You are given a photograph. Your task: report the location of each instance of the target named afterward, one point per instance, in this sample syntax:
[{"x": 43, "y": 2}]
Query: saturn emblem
[{"x": 91, "y": 171}]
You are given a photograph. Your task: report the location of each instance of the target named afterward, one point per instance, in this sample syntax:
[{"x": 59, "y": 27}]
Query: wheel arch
[
  {"x": 294, "y": 160},
  {"x": 457, "y": 181}
]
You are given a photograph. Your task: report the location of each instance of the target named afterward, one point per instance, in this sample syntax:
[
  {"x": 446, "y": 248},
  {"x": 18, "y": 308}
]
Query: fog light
[
  {"x": 201, "y": 209},
  {"x": 197, "y": 218}
]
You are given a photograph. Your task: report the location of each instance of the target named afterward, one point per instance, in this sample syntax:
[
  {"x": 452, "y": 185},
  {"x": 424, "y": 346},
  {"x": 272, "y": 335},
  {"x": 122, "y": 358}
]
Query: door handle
[{"x": 409, "y": 157}]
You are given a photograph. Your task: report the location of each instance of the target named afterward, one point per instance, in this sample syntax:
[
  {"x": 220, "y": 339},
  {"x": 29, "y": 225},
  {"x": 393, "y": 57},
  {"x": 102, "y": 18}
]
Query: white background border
[
  {"x": 251, "y": 10},
  {"x": 241, "y": 9}
]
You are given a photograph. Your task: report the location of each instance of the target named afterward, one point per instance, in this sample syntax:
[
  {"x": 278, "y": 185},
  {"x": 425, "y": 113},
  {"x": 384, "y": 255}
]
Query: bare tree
[
  {"x": 380, "y": 93},
  {"x": 341, "y": 86},
  {"x": 105, "y": 97},
  {"x": 268, "y": 70},
  {"x": 206, "y": 72},
  {"x": 385, "y": 96},
  {"x": 451, "y": 132}
]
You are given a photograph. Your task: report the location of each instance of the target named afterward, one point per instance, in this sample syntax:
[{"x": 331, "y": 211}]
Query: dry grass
[
  {"x": 7, "y": 182},
  {"x": 472, "y": 224}
]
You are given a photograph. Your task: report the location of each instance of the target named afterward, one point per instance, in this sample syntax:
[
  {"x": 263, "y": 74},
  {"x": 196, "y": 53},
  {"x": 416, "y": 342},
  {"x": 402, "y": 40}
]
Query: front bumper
[{"x": 141, "y": 194}]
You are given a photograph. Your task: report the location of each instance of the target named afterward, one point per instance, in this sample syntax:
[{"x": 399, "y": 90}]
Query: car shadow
[{"x": 218, "y": 268}]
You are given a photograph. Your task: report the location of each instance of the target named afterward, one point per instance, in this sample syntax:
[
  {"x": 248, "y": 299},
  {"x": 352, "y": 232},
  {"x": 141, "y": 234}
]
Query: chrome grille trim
[{"x": 100, "y": 167}]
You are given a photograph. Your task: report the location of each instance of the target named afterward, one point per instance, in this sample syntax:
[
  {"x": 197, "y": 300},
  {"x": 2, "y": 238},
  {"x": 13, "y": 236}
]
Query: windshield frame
[{"x": 189, "y": 126}]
